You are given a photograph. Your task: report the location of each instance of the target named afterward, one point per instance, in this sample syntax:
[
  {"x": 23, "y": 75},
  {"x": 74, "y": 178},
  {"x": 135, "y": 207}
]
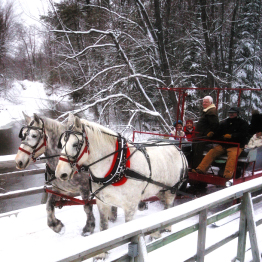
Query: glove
[
  {"x": 227, "y": 136},
  {"x": 210, "y": 134}
]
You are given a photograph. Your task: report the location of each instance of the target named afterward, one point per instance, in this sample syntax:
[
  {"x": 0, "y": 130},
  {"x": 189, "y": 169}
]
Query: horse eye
[
  {"x": 75, "y": 145},
  {"x": 34, "y": 136}
]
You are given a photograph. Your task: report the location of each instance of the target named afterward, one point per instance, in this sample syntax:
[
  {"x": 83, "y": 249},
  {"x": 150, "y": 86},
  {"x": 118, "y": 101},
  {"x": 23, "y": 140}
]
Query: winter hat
[
  {"x": 234, "y": 109},
  {"x": 177, "y": 122},
  {"x": 189, "y": 121}
]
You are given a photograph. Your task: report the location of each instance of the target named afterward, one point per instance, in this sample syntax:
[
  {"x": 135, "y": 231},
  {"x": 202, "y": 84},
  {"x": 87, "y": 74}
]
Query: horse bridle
[
  {"x": 73, "y": 160},
  {"x": 36, "y": 147}
]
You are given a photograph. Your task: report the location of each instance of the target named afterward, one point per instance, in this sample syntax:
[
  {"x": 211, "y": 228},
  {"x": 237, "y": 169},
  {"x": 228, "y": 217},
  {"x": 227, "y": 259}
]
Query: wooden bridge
[{"x": 133, "y": 233}]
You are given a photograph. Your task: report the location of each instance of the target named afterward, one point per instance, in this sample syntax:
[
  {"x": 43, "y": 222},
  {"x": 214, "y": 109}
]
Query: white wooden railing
[{"x": 134, "y": 232}]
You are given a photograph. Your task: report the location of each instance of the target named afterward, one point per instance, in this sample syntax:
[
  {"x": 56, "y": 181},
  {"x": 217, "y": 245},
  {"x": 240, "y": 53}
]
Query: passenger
[
  {"x": 255, "y": 140},
  {"x": 189, "y": 130},
  {"x": 256, "y": 123},
  {"x": 233, "y": 129},
  {"x": 205, "y": 128},
  {"x": 178, "y": 131}
]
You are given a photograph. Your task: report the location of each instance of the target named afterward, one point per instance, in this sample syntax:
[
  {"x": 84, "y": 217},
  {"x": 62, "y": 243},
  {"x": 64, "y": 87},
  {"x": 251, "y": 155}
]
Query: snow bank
[{"x": 26, "y": 96}]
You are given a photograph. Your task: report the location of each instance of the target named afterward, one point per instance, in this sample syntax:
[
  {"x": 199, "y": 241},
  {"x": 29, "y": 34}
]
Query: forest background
[{"x": 112, "y": 57}]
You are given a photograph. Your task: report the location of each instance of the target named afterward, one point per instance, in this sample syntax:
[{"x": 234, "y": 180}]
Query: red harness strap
[
  {"x": 123, "y": 179},
  {"x": 34, "y": 151},
  {"x": 25, "y": 151}
]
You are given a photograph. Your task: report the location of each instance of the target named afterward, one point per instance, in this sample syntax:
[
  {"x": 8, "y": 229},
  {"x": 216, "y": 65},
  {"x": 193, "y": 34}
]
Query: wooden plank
[
  {"x": 172, "y": 237},
  {"x": 111, "y": 238},
  {"x": 21, "y": 193},
  {"x": 23, "y": 173},
  {"x": 225, "y": 213},
  {"x": 215, "y": 246},
  {"x": 124, "y": 258},
  {"x": 252, "y": 228},
  {"x": 201, "y": 241},
  {"x": 142, "y": 251},
  {"x": 216, "y": 217},
  {"x": 242, "y": 232}
]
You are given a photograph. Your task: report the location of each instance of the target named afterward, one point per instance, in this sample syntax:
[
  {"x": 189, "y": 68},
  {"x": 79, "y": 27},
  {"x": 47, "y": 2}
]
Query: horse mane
[
  {"x": 99, "y": 134},
  {"x": 53, "y": 125}
]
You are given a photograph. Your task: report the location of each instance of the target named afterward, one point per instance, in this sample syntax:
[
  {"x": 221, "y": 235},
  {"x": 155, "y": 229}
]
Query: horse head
[
  {"x": 33, "y": 141},
  {"x": 74, "y": 149}
]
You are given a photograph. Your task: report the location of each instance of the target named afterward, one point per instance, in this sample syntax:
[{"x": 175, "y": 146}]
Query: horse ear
[
  {"x": 70, "y": 120},
  {"x": 36, "y": 118},
  {"x": 27, "y": 118},
  {"x": 78, "y": 123}
]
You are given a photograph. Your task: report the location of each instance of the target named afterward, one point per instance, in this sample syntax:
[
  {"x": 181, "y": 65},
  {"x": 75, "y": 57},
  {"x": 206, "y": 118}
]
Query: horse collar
[{"x": 115, "y": 174}]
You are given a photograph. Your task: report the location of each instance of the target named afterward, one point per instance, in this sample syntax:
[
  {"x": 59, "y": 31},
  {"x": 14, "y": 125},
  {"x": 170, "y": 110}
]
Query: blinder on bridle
[
  {"x": 29, "y": 127},
  {"x": 23, "y": 134},
  {"x": 65, "y": 136}
]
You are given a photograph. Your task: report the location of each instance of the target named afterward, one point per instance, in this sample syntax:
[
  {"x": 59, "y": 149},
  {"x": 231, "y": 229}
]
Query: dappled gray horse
[
  {"x": 41, "y": 136},
  {"x": 87, "y": 144}
]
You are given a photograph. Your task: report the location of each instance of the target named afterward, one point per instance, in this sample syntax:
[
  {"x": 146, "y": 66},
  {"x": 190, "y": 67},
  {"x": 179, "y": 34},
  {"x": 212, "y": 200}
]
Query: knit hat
[
  {"x": 189, "y": 121},
  {"x": 177, "y": 122}
]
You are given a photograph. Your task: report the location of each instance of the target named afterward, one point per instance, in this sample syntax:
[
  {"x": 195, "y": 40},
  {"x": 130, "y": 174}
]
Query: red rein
[{"x": 34, "y": 151}]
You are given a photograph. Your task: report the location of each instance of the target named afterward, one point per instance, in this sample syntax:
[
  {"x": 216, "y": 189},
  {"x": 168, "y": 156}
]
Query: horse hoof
[
  {"x": 112, "y": 218},
  {"x": 142, "y": 206},
  {"x": 57, "y": 227},
  {"x": 101, "y": 256},
  {"x": 88, "y": 229},
  {"x": 167, "y": 229},
  {"x": 85, "y": 234},
  {"x": 155, "y": 235},
  {"x": 62, "y": 231}
]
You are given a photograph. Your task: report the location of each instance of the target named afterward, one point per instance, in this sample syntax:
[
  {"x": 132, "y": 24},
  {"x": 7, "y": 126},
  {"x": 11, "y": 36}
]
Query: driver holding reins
[{"x": 232, "y": 130}]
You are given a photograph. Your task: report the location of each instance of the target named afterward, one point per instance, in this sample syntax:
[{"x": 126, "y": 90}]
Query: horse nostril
[
  {"x": 64, "y": 176},
  {"x": 20, "y": 164}
]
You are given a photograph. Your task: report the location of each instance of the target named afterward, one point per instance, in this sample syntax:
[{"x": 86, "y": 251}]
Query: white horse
[
  {"x": 89, "y": 145},
  {"x": 41, "y": 136}
]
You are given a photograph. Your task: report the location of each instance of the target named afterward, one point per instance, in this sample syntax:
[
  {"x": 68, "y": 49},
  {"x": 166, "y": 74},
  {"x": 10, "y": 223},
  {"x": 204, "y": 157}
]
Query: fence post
[
  {"x": 201, "y": 242},
  {"x": 242, "y": 232},
  {"x": 247, "y": 221},
  {"x": 139, "y": 245},
  {"x": 251, "y": 224}
]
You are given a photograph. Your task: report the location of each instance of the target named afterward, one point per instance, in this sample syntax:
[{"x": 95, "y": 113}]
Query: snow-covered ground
[
  {"x": 26, "y": 96},
  {"x": 26, "y": 236}
]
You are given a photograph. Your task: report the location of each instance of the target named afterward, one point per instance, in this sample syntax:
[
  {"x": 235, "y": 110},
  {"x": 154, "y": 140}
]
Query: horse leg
[
  {"x": 113, "y": 214},
  {"x": 90, "y": 221},
  {"x": 55, "y": 224},
  {"x": 104, "y": 211},
  {"x": 169, "y": 202},
  {"x": 130, "y": 212}
]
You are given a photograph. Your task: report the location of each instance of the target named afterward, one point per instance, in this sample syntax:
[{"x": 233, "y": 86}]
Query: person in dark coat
[
  {"x": 256, "y": 123},
  {"x": 205, "y": 128},
  {"x": 232, "y": 130}
]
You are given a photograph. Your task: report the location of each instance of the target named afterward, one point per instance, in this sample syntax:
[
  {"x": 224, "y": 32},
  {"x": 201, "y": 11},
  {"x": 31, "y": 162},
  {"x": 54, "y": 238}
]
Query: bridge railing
[
  {"x": 24, "y": 192},
  {"x": 134, "y": 232}
]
